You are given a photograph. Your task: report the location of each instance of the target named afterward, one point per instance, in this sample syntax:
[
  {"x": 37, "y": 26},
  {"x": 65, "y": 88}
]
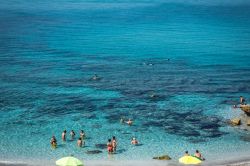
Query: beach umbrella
[
  {"x": 189, "y": 160},
  {"x": 69, "y": 161}
]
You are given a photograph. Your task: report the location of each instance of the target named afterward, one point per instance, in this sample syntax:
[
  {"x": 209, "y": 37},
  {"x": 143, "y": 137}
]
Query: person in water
[
  {"x": 242, "y": 100},
  {"x": 95, "y": 77},
  {"x": 122, "y": 120},
  {"x": 72, "y": 134},
  {"x": 109, "y": 146},
  {"x": 114, "y": 144},
  {"x": 129, "y": 122},
  {"x": 198, "y": 155},
  {"x": 82, "y": 134},
  {"x": 64, "y": 135},
  {"x": 80, "y": 142},
  {"x": 53, "y": 141},
  {"x": 134, "y": 141},
  {"x": 186, "y": 153}
]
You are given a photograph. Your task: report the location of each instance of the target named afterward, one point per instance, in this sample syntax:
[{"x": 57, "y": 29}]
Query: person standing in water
[
  {"x": 64, "y": 135},
  {"x": 80, "y": 142},
  {"x": 242, "y": 100},
  {"x": 53, "y": 141},
  {"x": 72, "y": 134},
  {"x": 82, "y": 134},
  {"x": 109, "y": 146},
  {"x": 114, "y": 144}
]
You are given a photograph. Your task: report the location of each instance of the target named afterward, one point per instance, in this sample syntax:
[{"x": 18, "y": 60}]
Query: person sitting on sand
[
  {"x": 129, "y": 122},
  {"x": 198, "y": 155},
  {"x": 134, "y": 141},
  {"x": 82, "y": 134},
  {"x": 72, "y": 134},
  {"x": 64, "y": 135},
  {"x": 80, "y": 142},
  {"x": 186, "y": 154},
  {"x": 109, "y": 146},
  {"x": 53, "y": 141},
  {"x": 114, "y": 144}
]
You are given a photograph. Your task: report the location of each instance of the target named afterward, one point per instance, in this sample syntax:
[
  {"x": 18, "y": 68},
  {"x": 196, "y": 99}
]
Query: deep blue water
[{"x": 193, "y": 56}]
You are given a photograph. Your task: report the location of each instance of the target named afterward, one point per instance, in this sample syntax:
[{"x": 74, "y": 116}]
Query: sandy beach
[{"x": 233, "y": 162}]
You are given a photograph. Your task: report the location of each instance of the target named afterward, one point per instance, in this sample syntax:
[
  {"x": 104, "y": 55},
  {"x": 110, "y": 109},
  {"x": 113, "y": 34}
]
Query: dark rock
[
  {"x": 101, "y": 146},
  {"x": 164, "y": 157},
  {"x": 94, "y": 151},
  {"x": 245, "y": 138}
]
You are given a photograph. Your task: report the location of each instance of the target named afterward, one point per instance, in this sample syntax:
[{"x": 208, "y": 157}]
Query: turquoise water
[{"x": 194, "y": 56}]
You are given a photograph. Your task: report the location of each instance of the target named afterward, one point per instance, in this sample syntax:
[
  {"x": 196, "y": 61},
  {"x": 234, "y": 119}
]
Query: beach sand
[{"x": 234, "y": 162}]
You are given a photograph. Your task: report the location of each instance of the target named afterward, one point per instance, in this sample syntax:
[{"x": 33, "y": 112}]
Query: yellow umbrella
[
  {"x": 69, "y": 161},
  {"x": 189, "y": 160}
]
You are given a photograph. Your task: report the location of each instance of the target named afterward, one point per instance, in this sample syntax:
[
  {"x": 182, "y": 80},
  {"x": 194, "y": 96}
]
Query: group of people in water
[
  {"x": 80, "y": 141},
  {"x": 242, "y": 102},
  {"x": 197, "y": 154},
  {"x": 111, "y": 144}
]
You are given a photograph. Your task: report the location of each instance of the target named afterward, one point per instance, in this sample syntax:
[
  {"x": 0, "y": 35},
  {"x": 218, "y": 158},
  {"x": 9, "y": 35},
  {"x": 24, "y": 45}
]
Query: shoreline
[{"x": 231, "y": 162}]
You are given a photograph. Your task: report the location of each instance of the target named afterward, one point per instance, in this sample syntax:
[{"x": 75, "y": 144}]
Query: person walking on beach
[
  {"x": 72, "y": 134},
  {"x": 109, "y": 146},
  {"x": 82, "y": 134},
  {"x": 64, "y": 135},
  {"x": 134, "y": 141},
  {"x": 114, "y": 144},
  {"x": 53, "y": 141}
]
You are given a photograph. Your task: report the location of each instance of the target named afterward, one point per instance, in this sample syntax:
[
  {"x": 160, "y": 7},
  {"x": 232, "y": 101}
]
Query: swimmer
[
  {"x": 82, "y": 134},
  {"x": 109, "y": 146},
  {"x": 64, "y": 135},
  {"x": 95, "y": 77},
  {"x": 72, "y": 134},
  {"x": 134, "y": 141},
  {"x": 129, "y": 122},
  {"x": 114, "y": 144}
]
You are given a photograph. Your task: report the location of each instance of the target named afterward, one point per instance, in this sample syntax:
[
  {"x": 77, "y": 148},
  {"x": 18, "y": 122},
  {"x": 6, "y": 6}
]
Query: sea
[{"x": 175, "y": 67}]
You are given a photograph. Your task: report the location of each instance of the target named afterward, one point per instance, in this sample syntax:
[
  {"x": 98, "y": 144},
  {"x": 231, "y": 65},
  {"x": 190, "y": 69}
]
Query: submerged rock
[
  {"x": 245, "y": 138},
  {"x": 164, "y": 157},
  {"x": 94, "y": 151},
  {"x": 101, "y": 146},
  {"x": 235, "y": 121}
]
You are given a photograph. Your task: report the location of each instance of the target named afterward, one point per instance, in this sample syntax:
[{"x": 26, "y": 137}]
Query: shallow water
[{"x": 194, "y": 57}]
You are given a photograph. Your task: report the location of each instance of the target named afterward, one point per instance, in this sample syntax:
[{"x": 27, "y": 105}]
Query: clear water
[{"x": 49, "y": 50}]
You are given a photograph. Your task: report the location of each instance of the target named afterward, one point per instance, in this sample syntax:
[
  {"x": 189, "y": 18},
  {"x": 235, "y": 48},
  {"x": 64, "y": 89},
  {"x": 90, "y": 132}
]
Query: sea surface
[{"x": 174, "y": 67}]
